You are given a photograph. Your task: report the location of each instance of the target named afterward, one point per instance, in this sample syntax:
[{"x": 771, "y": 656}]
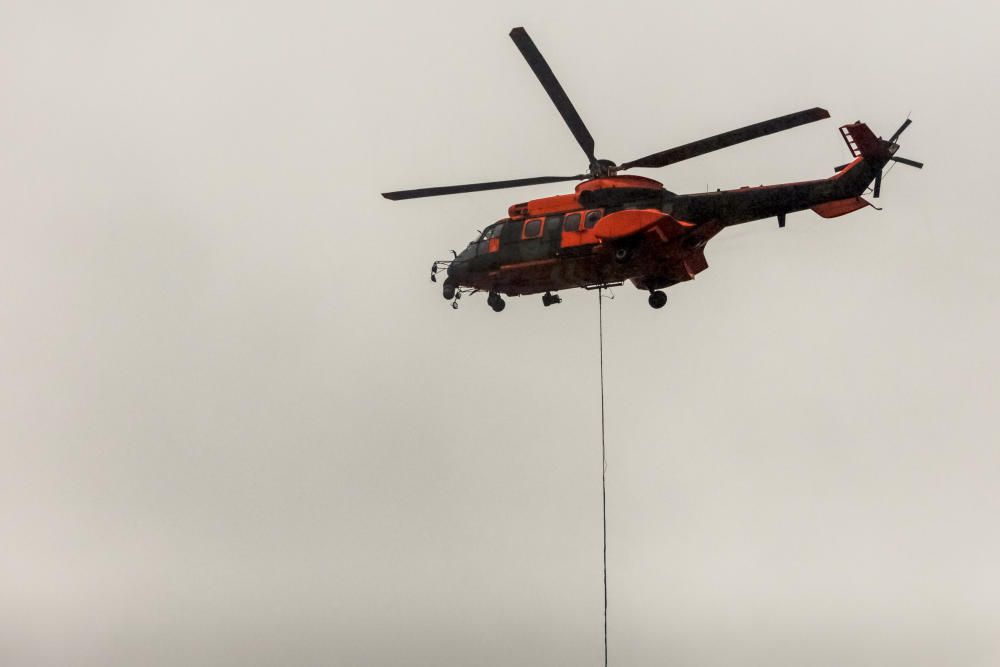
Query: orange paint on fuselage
[
  {"x": 571, "y": 202},
  {"x": 611, "y": 182},
  {"x": 620, "y": 228}
]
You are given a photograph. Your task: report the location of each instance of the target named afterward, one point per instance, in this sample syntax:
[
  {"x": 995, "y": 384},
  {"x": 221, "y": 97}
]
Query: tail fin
[
  {"x": 875, "y": 151},
  {"x": 862, "y": 141}
]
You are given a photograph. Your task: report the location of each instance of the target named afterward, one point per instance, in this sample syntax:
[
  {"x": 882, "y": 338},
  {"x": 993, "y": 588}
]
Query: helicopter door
[
  {"x": 552, "y": 235},
  {"x": 510, "y": 242},
  {"x": 572, "y": 223},
  {"x": 531, "y": 245}
]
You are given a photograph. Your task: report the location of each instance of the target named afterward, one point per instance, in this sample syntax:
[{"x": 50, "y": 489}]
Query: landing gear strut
[
  {"x": 549, "y": 299},
  {"x": 657, "y": 299},
  {"x": 496, "y": 302}
]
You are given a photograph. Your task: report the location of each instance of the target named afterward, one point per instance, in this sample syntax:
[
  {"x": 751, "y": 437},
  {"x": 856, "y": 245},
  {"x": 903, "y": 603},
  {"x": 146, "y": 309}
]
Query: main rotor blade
[
  {"x": 477, "y": 187},
  {"x": 912, "y": 163},
  {"x": 726, "y": 139},
  {"x": 895, "y": 135},
  {"x": 555, "y": 91}
]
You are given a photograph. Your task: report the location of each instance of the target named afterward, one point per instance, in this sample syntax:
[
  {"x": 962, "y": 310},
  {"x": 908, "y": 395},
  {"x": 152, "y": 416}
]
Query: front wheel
[
  {"x": 448, "y": 290},
  {"x": 658, "y": 299}
]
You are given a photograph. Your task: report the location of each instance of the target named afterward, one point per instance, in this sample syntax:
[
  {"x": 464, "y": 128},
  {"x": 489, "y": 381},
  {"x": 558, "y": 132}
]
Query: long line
[{"x": 604, "y": 469}]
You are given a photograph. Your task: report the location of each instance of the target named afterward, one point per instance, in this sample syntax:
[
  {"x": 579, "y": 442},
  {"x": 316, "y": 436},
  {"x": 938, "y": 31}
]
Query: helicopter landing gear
[
  {"x": 448, "y": 290},
  {"x": 496, "y": 302},
  {"x": 549, "y": 299},
  {"x": 658, "y": 299}
]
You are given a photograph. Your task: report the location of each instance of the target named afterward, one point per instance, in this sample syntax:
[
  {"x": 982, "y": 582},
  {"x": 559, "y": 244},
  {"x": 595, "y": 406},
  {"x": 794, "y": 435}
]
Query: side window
[
  {"x": 592, "y": 218},
  {"x": 552, "y": 223},
  {"x": 532, "y": 228},
  {"x": 571, "y": 223}
]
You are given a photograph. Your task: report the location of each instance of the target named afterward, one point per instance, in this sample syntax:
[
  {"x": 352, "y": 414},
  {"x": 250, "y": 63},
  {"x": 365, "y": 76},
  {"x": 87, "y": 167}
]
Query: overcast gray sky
[{"x": 239, "y": 426}]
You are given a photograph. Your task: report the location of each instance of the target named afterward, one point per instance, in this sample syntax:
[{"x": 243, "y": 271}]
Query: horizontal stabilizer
[{"x": 839, "y": 207}]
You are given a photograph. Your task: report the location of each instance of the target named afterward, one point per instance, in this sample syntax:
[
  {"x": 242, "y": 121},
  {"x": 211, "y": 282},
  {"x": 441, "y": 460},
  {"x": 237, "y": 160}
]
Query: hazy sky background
[{"x": 239, "y": 426}]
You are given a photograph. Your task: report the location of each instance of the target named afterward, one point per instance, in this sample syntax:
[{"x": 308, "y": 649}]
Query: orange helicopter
[{"x": 617, "y": 227}]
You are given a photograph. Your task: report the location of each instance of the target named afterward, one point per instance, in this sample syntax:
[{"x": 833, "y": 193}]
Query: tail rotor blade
[
  {"x": 911, "y": 163},
  {"x": 895, "y": 135}
]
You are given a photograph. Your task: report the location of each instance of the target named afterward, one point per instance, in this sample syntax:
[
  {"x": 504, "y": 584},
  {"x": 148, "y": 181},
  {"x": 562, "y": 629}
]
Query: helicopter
[{"x": 616, "y": 227}]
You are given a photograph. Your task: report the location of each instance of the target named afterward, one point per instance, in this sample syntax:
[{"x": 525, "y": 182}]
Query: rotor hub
[{"x": 603, "y": 168}]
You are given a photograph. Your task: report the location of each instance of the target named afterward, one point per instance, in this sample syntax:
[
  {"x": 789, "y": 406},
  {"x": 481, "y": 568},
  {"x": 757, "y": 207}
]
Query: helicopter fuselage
[{"x": 619, "y": 228}]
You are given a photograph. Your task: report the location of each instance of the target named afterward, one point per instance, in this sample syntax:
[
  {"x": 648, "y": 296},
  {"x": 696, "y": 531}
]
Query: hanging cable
[{"x": 604, "y": 468}]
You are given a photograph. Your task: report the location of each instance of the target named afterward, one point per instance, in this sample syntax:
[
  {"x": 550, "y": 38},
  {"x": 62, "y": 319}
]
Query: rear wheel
[
  {"x": 658, "y": 299},
  {"x": 496, "y": 302}
]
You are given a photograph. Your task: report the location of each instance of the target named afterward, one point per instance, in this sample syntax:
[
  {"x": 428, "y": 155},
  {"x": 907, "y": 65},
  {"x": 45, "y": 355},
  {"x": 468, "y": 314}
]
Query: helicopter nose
[{"x": 456, "y": 270}]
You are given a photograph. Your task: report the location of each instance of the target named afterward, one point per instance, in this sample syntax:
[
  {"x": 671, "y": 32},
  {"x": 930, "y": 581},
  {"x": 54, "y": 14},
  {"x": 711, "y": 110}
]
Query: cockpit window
[
  {"x": 492, "y": 232},
  {"x": 489, "y": 240}
]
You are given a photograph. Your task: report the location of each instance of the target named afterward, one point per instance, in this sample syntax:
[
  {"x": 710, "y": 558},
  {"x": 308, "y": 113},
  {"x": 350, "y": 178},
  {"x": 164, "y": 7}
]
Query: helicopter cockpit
[{"x": 489, "y": 240}]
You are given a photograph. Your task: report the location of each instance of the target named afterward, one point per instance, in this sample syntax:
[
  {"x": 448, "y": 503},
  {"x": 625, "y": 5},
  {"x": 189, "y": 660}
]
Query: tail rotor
[{"x": 891, "y": 147}]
